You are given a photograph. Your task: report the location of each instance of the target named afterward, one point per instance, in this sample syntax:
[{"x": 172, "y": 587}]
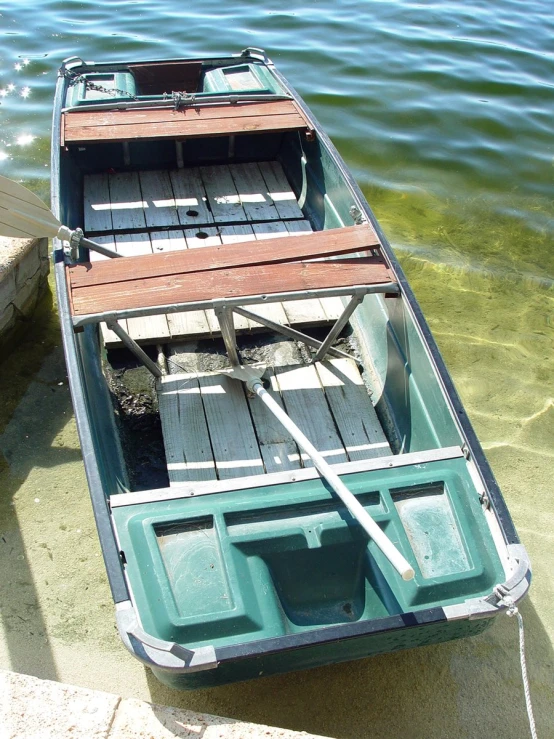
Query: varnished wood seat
[
  {"x": 85, "y": 127},
  {"x": 231, "y": 272}
]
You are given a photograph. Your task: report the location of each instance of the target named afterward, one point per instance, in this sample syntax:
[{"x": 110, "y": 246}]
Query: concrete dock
[{"x": 42, "y": 709}]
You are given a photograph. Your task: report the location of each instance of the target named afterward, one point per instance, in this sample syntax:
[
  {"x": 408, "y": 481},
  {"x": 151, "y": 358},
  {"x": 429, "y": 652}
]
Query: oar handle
[{"x": 395, "y": 557}]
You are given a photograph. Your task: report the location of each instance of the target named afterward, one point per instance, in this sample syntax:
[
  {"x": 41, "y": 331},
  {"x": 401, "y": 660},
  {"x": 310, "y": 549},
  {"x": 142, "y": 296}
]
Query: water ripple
[{"x": 456, "y": 98}]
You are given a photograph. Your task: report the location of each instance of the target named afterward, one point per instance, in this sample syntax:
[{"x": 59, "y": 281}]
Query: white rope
[
  {"x": 506, "y": 600},
  {"x": 526, "y": 687}
]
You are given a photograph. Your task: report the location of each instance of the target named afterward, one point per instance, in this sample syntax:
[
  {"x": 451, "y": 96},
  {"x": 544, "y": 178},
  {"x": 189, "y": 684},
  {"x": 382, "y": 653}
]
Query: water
[{"x": 444, "y": 111}]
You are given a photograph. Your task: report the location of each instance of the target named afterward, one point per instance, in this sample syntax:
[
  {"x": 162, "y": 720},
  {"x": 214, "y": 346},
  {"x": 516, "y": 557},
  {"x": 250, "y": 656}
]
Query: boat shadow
[
  {"x": 31, "y": 441},
  {"x": 446, "y": 690}
]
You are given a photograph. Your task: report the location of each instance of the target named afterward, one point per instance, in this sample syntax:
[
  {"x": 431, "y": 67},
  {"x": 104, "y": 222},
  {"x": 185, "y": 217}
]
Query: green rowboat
[{"x": 305, "y": 487}]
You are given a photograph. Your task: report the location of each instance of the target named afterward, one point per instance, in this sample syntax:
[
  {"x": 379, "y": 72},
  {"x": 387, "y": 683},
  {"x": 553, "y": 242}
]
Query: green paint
[{"x": 240, "y": 566}]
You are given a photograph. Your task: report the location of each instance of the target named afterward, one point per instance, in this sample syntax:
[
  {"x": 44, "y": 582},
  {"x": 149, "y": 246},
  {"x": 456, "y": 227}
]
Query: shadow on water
[
  {"x": 447, "y": 690},
  {"x": 35, "y": 407}
]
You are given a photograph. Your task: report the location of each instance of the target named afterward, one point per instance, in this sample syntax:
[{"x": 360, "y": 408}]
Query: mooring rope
[{"x": 512, "y": 610}]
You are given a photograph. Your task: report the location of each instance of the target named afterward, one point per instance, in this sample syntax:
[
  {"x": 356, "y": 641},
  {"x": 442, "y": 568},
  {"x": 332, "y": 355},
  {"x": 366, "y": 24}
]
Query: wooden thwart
[
  {"x": 190, "y": 122},
  {"x": 267, "y": 251},
  {"x": 235, "y": 204},
  {"x": 240, "y": 282}
]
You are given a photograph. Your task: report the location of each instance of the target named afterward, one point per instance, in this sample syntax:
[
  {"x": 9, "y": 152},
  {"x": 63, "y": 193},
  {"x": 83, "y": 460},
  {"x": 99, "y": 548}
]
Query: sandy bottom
[{"x": 494, "y": 328}]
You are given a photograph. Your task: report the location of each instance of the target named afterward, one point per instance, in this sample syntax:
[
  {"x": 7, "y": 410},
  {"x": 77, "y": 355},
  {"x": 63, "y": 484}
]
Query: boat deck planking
[
  {"x": 203, "y": 206},
  {"x": 213, "y": 430}
]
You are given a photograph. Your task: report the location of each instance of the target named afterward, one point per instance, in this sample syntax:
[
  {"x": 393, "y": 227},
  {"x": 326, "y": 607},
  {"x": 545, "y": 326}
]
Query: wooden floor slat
[
  {"x": 190, "y": 197},
  {"x": 305, "y": 403},
  {"x": 277, "y": 447},
  {"x": 352, "y": 410},
  {"x": 185, "y": 430},
  {"x": 234, "y": 444},
  {"x": 163, "y": 241},
  {"x": 252, "y": 190},
  {"x": 221, "y": 191},
  {"x": 126, "y": 201},
  {"x": 157, "y": 194},
  {"x": 280, "y": 191},
  {"x": 97, "y": 203},
  {"x": 212, "y": 429}
]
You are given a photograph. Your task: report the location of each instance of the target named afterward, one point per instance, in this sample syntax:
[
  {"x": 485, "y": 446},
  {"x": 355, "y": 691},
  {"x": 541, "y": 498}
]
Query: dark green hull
[{"x": 391, "y": 635}]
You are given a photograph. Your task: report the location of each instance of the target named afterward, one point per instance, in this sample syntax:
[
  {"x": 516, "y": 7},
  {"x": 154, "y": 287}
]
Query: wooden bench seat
[
  {"x": 269, "y": 267},
  {"x": 82, "y": 127}
]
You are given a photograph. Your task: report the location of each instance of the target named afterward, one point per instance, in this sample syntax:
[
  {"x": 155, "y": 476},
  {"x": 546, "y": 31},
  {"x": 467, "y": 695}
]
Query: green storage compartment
[
  {"x": 247, "y": 566},
  {"x": 99, "y": 87},
  {"x": 240, "y": 78}
]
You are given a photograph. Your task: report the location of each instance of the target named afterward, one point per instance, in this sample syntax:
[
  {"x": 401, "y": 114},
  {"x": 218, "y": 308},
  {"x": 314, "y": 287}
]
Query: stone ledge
[
  {"x": 31, "y": 708},
  {"x": 24, "y": 267}
]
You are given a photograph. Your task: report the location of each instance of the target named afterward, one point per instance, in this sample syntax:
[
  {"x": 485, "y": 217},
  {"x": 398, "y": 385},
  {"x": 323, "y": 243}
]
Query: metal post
[
  {"x": 339, "y": 325},
  {"x": 224, "y": 315},
  {"x": 132, "y": 345}
]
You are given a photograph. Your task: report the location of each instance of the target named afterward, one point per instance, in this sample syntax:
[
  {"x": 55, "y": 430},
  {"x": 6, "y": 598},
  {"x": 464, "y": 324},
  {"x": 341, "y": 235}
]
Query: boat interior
[{"x": 228, "y": 532}]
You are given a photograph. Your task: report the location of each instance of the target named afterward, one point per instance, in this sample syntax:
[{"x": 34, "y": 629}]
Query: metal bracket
[
  {"x": 485, "y": 500},
  {"x": 341, "y": 322},
  {"x": 132, "y": 345},
  {"x": 159, "y": 653},
  {"x": 291, "y": 333},
  {"x": 515, "y": 586},
  {"x": 74, "y": 243},
  {"x": 255, "y": 53},
  {"x": 357, "y": 216},
  {"x": 235, "y": 303}
]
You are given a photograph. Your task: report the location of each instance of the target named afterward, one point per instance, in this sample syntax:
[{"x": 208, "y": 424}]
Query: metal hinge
[
  {"x": 357, "y": 216},
  {"x": 255, "y": 53}
]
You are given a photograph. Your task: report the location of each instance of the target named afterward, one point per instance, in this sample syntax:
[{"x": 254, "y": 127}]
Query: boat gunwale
[
  {"x": 452, "y": 398},
  {"x": 106, "y": 532}
]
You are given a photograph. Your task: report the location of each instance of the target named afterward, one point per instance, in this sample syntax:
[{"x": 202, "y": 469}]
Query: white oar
[
  {"x": 24, "y": 215},
  {"x": 252, "y": 377}
]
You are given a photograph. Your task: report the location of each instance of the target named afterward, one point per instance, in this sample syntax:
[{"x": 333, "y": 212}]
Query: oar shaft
[
  {"x": 105, "y": 250},
  {"x": 398, "y": 561}
]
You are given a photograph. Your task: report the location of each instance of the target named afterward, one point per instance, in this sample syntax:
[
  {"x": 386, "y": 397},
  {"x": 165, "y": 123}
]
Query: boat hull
[{"x": 392, "y": 635}]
